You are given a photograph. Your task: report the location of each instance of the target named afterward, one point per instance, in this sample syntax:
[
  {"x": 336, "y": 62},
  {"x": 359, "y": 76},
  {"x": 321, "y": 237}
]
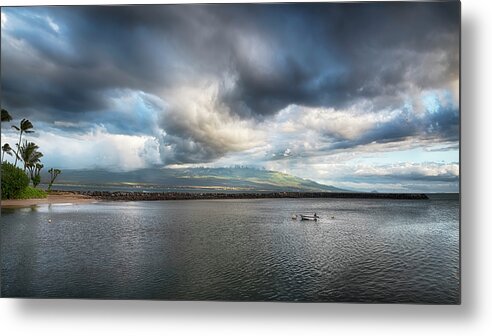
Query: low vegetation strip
[
  {"x": 30, "y": 192},
  {"x": 146, "y": 196}
]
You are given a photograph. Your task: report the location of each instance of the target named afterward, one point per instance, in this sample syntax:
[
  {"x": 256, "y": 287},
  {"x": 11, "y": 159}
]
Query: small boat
[{"x": 309, "y": 217}]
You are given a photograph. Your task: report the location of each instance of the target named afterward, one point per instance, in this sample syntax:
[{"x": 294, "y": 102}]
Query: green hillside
[{"x": 193, "y": 179}]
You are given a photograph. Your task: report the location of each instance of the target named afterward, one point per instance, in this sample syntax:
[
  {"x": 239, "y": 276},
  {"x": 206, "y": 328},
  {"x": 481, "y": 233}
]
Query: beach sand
[{"x": 55, "y": 198}]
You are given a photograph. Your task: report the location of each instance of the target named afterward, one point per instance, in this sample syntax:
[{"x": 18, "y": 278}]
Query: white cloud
[
  {"x": 53, "y": 24},
  {"x": 347, "y": 124},
  {"x": 4, "y": 20},
  {"x": 430, "y": 169},
  {"x": 95, "y": 149}
]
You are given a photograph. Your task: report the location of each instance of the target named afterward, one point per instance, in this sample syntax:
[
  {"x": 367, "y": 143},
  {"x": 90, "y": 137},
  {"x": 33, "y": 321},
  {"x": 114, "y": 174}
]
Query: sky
[{"x": 363, "y": 96}]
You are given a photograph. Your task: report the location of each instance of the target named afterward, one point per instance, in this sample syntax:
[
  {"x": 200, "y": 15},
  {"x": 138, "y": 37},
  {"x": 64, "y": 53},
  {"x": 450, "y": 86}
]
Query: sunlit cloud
[{"x": 96, "y": 149}]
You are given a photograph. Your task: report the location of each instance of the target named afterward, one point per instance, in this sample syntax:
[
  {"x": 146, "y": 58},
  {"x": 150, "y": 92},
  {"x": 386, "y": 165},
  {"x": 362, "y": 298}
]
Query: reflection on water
[{"x": 372, "y": 251}]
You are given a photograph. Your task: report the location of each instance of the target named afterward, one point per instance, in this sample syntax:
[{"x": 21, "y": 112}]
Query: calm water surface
[{"x": 372, "y": 251}]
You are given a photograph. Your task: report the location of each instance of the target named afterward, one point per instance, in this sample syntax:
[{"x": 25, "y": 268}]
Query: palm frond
[{"x": 6, "y": 117}]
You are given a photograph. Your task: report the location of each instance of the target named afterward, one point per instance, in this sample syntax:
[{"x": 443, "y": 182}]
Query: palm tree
[
  {"x": 6, "y": 116},
  {"x": 54, "y": 173},
  {"x": 24, "y": 127},
  {"x": 29, "y": 154},
  {"x": 6, "y": 149},
  {"x": 34, "y": 172}
]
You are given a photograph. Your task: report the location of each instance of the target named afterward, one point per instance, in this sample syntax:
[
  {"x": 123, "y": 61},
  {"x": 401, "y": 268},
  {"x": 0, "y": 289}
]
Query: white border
[{"x": 473, "y": 317}]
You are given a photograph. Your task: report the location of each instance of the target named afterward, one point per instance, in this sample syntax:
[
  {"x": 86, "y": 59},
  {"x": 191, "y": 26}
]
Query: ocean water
[{"x": 404, "y": 251}]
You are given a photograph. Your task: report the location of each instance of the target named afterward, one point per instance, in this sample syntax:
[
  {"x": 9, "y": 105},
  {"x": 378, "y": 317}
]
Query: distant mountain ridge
[{"x": 241, "y": 179}]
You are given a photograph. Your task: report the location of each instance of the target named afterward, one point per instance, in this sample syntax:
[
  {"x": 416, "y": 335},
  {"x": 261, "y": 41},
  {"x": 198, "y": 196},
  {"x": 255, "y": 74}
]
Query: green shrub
[
  {"x": 14, "y": 181},
  {"x": 30, "y": 192}
]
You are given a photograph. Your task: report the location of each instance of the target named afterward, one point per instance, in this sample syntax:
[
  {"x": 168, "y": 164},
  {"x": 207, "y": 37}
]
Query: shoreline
[
  {"x": 54, "y": 198},
  {"x": 164, "y": 196},
  {"x": 84, "y": 197}
]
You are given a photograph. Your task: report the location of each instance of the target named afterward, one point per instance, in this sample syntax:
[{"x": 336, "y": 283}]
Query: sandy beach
[{"x": 55, "y": 198}]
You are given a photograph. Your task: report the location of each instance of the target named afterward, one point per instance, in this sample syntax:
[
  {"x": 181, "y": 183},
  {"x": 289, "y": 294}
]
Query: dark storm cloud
[
  {"x": 321, "y": 55},
  {"x": 179, "y": 149},
  {"x": 332, "y": 54}
]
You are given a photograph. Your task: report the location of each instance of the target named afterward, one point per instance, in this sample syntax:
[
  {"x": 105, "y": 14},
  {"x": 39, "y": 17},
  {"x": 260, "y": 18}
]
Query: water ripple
[{"x": 373, "y": 251}]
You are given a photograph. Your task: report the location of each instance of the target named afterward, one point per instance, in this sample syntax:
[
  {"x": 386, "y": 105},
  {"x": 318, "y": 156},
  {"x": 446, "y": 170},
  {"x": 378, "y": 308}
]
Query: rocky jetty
[{"x": 159, "y": 196}]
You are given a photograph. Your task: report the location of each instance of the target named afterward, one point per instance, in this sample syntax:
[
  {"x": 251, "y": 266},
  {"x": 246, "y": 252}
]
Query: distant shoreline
[
  {"x": 162, "y": 196},
  {"x": 83, "y": 197}
]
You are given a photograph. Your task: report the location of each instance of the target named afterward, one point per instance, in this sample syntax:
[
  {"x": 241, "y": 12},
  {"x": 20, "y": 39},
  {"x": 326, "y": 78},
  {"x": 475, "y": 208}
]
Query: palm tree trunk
[{"x": 18, "y": 147}]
